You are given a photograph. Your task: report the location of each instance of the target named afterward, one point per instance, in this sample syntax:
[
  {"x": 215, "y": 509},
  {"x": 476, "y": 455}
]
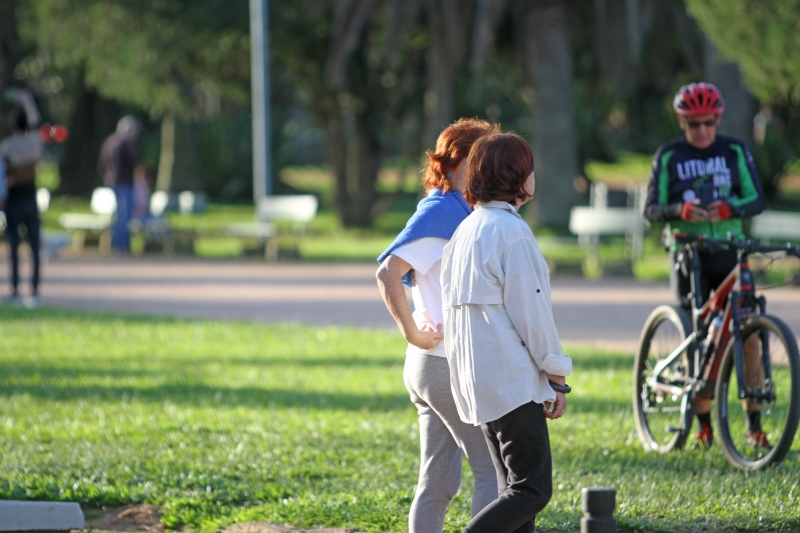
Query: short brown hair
[
  {"x": 497, "y": 168},
  {"x": 452, "y": 147}
]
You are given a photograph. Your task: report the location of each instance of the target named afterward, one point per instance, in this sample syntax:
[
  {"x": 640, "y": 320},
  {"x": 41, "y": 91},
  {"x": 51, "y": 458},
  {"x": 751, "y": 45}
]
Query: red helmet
[{"x": 698, "y": 99}]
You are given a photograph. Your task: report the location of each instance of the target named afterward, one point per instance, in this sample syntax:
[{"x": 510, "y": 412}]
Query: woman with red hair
[
  {"x": 414, "y": 259},
  {"x": 506, "y": 361}
]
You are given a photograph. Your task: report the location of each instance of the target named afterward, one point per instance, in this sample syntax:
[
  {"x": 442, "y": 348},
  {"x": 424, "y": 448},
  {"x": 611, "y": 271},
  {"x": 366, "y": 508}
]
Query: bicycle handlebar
[{"x": 747, "y": 246}]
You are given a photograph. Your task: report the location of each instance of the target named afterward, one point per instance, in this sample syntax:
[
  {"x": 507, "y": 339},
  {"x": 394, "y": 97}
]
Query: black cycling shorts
[{"x": 714, "y": 268}]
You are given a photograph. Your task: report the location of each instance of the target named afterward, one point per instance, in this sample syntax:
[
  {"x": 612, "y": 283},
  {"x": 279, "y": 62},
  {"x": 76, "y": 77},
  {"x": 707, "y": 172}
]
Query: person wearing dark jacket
[
  {"x": 116, "y": 166},
  {"x": 21, "y": 152},
  {"x": 705, "y": 184}
]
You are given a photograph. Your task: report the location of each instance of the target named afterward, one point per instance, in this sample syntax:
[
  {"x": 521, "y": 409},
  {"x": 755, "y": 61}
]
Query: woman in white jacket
[{"x": 500, "y": 337}]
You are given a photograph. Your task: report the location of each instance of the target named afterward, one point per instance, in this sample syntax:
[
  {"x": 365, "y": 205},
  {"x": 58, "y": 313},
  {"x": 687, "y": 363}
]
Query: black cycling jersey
[{"x": 723, "y": 171}]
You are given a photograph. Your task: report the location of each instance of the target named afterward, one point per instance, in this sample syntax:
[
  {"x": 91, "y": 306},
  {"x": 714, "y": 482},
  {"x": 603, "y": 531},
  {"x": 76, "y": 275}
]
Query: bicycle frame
[{"x": 735, "y": 293}]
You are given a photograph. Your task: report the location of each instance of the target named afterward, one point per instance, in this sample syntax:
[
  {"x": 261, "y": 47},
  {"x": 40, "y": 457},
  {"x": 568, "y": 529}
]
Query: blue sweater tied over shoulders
[{"x": 437, "y": 215}]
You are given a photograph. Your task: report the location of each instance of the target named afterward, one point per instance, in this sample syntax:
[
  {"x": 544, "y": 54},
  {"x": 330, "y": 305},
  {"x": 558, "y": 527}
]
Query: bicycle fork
[{"x": 744, "y": 287}]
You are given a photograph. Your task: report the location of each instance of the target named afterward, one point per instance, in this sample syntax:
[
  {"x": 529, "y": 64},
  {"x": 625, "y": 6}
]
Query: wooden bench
[
  {"x": 99, "y": 222},
  {"x": 299, "y": 209},
  {"x": 590, "y": 223},
  {"x": 776, "y": 225}
]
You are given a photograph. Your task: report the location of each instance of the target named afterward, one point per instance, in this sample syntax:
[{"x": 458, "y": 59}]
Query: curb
[{"x": 18, "y": 516}]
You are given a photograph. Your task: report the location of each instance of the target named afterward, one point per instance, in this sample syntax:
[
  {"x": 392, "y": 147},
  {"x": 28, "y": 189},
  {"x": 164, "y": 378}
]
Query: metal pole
[{"x": 259, "y": 74}]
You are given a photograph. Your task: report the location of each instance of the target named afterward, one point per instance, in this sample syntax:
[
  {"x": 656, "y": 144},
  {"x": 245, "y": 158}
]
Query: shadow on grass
[
  {"x": 9, "y": 315},
  {"x": 202, "y": 395}
]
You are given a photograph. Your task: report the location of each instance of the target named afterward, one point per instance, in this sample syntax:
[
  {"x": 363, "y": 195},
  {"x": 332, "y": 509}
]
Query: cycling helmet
[{"x": 698, "y": 99}]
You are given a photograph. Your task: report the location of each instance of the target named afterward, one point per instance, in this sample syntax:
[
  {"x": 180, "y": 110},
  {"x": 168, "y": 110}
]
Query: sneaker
[
  {"x": 30, "y": 302},
  {"x": 758, "y": 439},
  {"x": 706, "y": 437}
]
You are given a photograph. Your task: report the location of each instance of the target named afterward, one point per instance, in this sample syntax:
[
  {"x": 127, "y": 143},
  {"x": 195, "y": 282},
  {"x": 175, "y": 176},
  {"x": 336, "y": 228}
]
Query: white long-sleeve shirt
[{"x": 500, "y": 336}]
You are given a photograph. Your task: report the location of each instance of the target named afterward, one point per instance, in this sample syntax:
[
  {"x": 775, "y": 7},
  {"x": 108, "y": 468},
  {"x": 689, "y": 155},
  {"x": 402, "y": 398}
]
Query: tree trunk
[
  {"x": 166, "y": 158},
  {"x": 740, "y": 105},
  {"x": 448, "y": 48},
  {"x": 337, "y": 161},
  {"x": 9, "y": 58},
  {"x": 368, "y": 157},
  {"x": 555, "y": 141},
  {"x": 93, "y": 120},
  {"x": 619, "y": 32},
  {"x": 184, "y": 169},
  {"x": 354, "y": 155}
]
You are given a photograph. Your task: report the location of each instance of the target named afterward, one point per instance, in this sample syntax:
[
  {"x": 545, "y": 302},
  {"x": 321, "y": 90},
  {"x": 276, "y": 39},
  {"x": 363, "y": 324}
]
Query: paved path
[{"x": 607, "y": 312}]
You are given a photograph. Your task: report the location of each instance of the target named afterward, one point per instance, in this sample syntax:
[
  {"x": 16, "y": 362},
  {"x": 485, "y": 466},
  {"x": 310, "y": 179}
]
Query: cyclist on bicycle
[{"x": 704, "y": 184}]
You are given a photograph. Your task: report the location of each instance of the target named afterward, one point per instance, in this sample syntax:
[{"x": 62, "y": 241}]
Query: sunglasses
[{"x": 694, "y": 124}]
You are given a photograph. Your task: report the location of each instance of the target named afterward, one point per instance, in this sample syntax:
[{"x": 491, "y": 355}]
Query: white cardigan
[{"x": 500, "y": 336}]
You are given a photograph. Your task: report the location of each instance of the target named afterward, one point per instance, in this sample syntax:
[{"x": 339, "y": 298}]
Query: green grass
[{"x": 230, "y": 422}]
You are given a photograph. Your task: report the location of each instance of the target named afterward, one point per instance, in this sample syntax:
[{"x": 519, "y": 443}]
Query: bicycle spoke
[
  {"x": 661, "y": 418},
  {"x": 777, "y": 418}
]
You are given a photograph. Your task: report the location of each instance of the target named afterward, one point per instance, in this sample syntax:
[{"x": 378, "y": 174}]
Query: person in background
[
  {"x": 414, "y": 259},
  {"x": 21, "y": 152},
  {"x": 704, "y": 184},
  {"x": 116, "y": 166},
  {"x": 500, "y": 336}
]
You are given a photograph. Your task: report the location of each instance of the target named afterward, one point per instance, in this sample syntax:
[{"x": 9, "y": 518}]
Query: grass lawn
[{"x": 229, "y": 422}]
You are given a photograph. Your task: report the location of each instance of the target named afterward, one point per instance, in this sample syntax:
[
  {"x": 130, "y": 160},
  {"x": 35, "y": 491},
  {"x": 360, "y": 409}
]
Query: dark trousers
[
  {"x": 520, "y": 448},
  {"x": 121, "y": 240},
  {"x": 714, "y": 268},
  {"x": 23, "y": 213}
]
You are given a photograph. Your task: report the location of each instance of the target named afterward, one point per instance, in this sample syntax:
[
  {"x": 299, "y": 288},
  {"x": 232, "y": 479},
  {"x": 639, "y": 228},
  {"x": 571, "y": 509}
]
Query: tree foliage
[
  {"x": 160, "y": 55},
  {"x": 762, "y": 37},
  {"x": 357, "y": 66}
]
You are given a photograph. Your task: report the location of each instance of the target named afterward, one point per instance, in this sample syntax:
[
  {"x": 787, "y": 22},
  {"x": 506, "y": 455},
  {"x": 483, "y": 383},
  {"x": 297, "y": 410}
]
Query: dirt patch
[{"x": 142, "y": 517}]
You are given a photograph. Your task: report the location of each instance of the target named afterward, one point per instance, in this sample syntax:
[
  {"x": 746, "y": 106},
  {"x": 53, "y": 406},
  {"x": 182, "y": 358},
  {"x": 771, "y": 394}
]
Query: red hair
[
  {"x": 498, "y": 167},
  {"x": 452, "y": 147}
]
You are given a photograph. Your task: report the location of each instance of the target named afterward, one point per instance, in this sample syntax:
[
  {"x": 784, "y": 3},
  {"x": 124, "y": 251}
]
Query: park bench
[
  {"x": 101, "y": 220},
  {"x": 299, "y": 209},
  {"x": 599, "y": 219},
  {"x": 98, "y": 222},
  {"x": 776, "y": 225}
]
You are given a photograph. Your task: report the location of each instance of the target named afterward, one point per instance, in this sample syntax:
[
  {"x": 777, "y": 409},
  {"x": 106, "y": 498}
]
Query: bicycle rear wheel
[
  {"x": 663, "y": 420},
  {"x": 779, "y": 418}
]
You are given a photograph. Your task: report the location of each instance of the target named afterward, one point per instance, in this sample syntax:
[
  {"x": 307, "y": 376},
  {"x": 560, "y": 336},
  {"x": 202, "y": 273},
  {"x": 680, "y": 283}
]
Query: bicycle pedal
[{"x": 673, "y": 429}]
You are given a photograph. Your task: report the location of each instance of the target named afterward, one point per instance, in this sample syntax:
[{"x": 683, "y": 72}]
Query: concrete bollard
[
  {"x": 20, "y": 516},
  {"x": 598, "y": 505}
]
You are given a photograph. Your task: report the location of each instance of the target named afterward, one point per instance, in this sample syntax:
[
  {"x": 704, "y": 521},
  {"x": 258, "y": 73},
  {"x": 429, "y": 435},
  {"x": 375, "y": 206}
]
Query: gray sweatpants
[{"x": 443, "y": 437}]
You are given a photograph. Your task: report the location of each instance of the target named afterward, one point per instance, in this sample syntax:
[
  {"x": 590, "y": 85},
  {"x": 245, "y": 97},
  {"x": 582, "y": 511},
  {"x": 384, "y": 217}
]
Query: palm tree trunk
[
  {"x": 548, "y": 52},
  {"x": 9, "y": 57},
  {"x": 166, "y": 159},
  {"x": 448, "y": 48},
  {"x": 93, "y": 119}
]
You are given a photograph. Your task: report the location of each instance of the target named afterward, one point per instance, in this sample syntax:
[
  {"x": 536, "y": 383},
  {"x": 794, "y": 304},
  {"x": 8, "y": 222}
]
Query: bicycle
[{"x": 680, "y": 357}]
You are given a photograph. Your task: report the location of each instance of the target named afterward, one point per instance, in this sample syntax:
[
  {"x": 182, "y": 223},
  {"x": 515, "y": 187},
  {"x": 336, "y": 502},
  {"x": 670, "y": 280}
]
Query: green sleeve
[
  {"x": 663, "y": 180},
  {"x": 749, "y": 193}
]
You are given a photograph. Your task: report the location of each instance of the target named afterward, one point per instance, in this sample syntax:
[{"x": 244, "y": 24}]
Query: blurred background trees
[{"x": 362, "y": 85}]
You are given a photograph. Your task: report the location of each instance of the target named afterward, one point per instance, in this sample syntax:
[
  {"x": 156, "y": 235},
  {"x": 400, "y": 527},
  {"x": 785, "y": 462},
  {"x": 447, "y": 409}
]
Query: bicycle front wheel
[
  {"x": 768, "y": 336},
  {"x": 663, "y": 418}
]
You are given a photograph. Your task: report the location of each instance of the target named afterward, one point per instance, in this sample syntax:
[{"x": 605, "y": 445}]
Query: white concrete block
[{"x": 40, "y": 516}]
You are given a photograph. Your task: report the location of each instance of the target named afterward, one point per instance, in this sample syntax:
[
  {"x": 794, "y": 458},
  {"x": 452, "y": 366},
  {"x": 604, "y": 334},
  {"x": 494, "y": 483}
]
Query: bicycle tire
[
  {"x": 780, "y": 420},
  {"x": 662, "y": 429}
]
